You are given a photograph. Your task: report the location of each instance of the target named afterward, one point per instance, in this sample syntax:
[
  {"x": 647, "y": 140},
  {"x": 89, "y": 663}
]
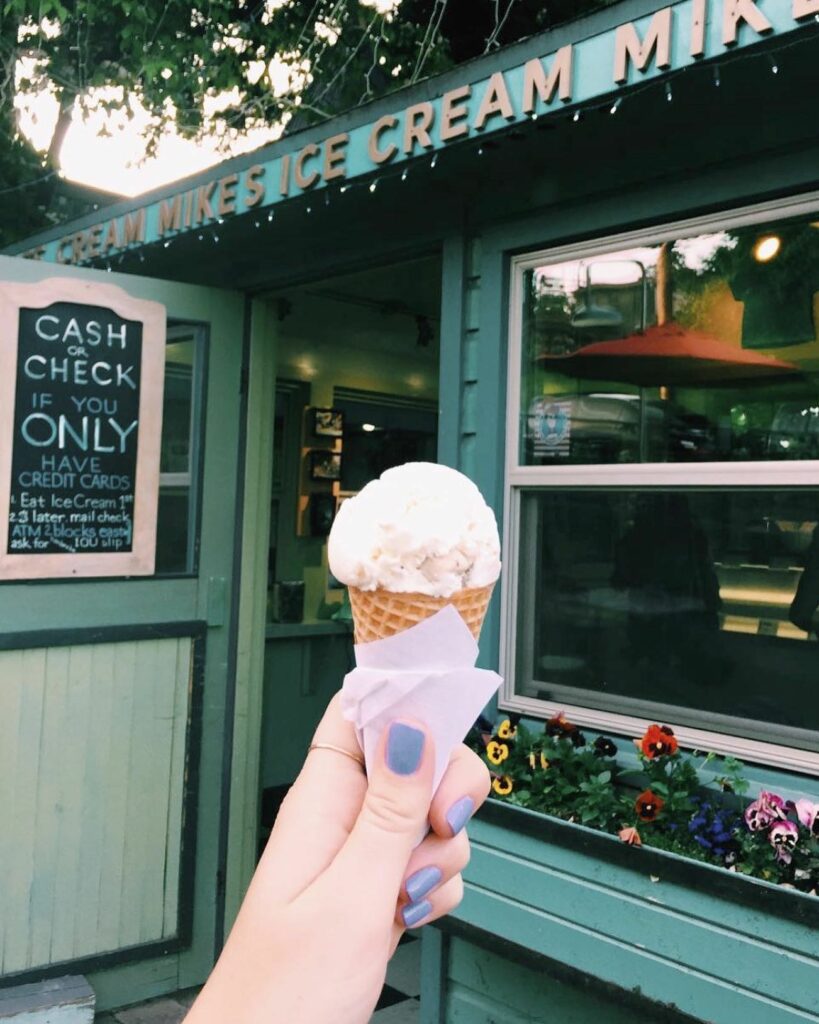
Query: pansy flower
[
  {"x": 538, "y": 757},
  {"x": 808, "y": 814},
  {"x": 648, "y": 805},
  {"x": 631, "y": 836},
  {"x": 497, "y": 752},
  {"x": 506, "y": 730},
  {"x": 558, "y": 726},
  {"x": 502, "y": 785},
  {"x": 712, "y": 828},
  {"x": 783, "y": 837},
  {"x": 604, "y": 747},
  {"x": 658, "y": 741},
  {"x": 764, "y": 811}
]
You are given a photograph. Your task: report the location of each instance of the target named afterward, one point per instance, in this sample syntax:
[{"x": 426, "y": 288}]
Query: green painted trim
[
  {"x": 765, "y": 897},
  {"x": 453, "y": 276},
  {"x": 303, "y": 630},
  {"x": 564, "y": 973},
  {"x": 101, "y": 635},
  {"x": 490, "y": 427},
  {"x": 98, "y": 962},
  {"x": 434, "y": 957},
  {"x": 708, "y": 188},
  {"x": 228, "y": 721},
  {"x": 243, "y": 822}
]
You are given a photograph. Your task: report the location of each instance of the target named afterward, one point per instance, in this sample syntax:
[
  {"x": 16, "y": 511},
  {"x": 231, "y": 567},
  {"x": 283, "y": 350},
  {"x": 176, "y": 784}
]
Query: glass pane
[
  {"x": 177, "y": 407},
  {"x": 175, "y": 506},
  {"x": 172, "y": 527},
  {"x": 378, "y": 435},
  {"x": 706, "y": 601},
  {"x": 696, "y": 349}
]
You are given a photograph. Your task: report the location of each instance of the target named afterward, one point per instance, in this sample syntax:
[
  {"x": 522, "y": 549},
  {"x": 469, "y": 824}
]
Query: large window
[{"x": 663, "y": 484}]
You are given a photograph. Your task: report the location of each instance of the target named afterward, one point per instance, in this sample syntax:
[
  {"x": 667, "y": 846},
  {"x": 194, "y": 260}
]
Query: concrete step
[{"x": 68, "y": 1000}]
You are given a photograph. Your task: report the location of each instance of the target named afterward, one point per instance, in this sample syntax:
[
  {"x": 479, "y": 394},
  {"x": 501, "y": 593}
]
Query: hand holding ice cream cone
[{"x": 411, "y": 547}]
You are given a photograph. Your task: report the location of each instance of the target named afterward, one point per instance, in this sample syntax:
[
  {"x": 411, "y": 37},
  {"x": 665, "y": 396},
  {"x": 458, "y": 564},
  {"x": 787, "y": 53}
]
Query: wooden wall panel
[
  {"x": 92, "y": 772},
  {"x": 485, "y": 988},
  {"x": 673, "y": 942}
]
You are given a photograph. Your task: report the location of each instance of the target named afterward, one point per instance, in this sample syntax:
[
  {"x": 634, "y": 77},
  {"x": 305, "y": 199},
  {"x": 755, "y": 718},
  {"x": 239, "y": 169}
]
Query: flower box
[
  {"x": 689, "y": 805},
  {"x": 575, "y": 906},
  {"x": 720, "y": 883}
]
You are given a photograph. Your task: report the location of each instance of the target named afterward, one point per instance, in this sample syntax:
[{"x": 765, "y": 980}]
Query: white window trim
[
  {"x": 714, "y": 474},
  {"x": 168, "y": 480}
]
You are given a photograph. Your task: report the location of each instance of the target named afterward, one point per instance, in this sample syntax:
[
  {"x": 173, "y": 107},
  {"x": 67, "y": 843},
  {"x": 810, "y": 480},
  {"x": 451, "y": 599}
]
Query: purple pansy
[
  {"x": 764, "y": 811},
  {"x": 783, "y": 837},
  {"x": 808, "y": 814}
]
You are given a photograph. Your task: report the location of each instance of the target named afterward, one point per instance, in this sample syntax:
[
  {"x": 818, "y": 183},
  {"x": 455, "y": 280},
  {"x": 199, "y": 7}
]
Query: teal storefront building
[{"x": 437, "y": 266}]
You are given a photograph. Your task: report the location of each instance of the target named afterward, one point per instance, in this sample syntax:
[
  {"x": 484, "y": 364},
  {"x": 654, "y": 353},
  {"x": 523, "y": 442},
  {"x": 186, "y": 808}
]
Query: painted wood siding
[
  {"x": 470, "y": 413},
  {"x": 485, "y": 988},
  {"x": 92, "y": 766},
  {"x": 712, "y": 959}
]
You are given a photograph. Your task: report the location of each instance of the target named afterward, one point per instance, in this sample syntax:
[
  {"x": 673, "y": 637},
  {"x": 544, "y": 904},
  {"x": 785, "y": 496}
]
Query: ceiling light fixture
[{"x": 767, "y": 248}]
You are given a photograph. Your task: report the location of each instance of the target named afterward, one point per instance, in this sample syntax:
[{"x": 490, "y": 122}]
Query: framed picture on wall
[
  {"x": 328, "y": 422},
  {"x": 325, "y": 465}
]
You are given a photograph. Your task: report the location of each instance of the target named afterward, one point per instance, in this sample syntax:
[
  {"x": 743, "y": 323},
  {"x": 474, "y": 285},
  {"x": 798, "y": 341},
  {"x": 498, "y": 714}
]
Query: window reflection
[
  {"x": 382, "y": 431},
  {"x": 701, "y": 600},
  {"x": 174, "y": 544},
  {"x": 696, "y": 349}
]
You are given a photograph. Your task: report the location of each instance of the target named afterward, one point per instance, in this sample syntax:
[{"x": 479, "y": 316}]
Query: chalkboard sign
[{"x": 81, "y": 369}]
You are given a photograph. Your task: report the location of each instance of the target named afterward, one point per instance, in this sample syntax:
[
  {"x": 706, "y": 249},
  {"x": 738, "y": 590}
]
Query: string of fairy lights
[{"x": 310, "y": 203}]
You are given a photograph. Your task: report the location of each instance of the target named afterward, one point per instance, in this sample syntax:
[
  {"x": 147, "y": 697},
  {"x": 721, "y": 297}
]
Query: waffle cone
[{"x": 380, "y": 613}]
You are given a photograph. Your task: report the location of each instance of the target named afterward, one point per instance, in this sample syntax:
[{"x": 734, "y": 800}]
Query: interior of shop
[{"x": 356, "y": 393}]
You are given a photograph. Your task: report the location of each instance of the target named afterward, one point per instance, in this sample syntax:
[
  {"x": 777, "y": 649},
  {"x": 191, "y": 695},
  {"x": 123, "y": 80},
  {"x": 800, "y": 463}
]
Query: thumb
[{"x": 372, "y": 863}]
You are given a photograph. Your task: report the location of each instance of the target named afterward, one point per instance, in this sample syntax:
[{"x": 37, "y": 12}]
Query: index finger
[{"x": 462, "y": 790}]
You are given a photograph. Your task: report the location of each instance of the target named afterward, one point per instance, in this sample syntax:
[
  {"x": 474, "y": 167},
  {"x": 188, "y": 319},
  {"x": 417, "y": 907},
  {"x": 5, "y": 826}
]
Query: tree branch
[{"x": 64, "y": 120}]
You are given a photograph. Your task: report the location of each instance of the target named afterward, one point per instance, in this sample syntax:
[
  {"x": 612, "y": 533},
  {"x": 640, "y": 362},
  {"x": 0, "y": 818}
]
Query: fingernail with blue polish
[
  {"x": 422, "y": 882},
  {"x": 460, "y": 813},
  {"x": 405, "y": 747},
  {"x": 415, "y": 912}
]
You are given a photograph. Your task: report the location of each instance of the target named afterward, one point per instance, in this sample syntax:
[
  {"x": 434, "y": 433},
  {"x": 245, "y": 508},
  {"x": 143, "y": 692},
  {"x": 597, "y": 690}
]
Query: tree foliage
[{"x": 223, "y": 67}]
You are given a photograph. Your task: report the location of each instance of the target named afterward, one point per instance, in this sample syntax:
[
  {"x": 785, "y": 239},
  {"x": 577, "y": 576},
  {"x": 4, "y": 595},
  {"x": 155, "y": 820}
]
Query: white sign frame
[{"x": 140, "y": 561}]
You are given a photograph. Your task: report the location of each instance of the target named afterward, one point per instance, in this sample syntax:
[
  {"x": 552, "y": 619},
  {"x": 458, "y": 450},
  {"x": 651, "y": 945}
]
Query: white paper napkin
[{"x": 428, "y": 673}]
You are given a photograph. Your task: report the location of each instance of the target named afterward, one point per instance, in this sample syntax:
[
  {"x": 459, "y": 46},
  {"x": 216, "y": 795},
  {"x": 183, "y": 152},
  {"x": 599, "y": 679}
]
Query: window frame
[{"x": 645, "y": 476}]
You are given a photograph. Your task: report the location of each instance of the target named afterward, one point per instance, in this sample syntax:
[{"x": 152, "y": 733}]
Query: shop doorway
[{"x": 357, "y": 371}]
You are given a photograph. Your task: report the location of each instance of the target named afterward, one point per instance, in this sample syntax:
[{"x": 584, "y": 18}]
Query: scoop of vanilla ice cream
[{"x": 421, "y": 528}]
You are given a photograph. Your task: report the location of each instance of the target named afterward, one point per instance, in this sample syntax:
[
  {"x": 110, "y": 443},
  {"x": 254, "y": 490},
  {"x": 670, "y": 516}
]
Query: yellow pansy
[
  {"x": 502, "y": 785},
  {"x": 497, "y": 752}
]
